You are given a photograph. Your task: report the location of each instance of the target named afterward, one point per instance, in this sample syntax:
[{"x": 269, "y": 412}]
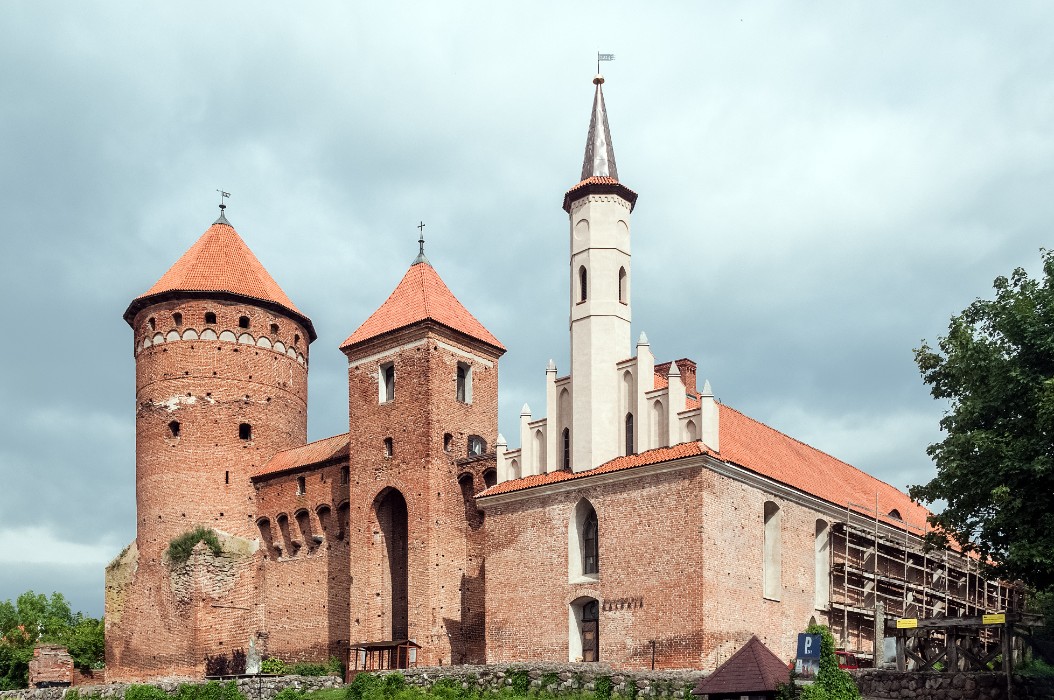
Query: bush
[
  {"x": 289, "y": 694},
  {"x": 602, "y": 688},
  {"x": 179, "y": 548},
  {"x": 832, "y": 683},
  {"x": 1037, "y": 668},
  {"x": 144, "y": 692},
  {"x": 274, "y": 665}
]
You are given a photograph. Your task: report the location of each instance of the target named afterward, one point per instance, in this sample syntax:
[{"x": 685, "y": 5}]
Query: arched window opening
[
  {"x": 177, "y": 318},
  {"x": 274, "y": 329},
  {"x": 539, "y": 452},
  {"x": 448, "y": 440},
  {"x": 303, "y": 523},
  {"x": 325, "y": 524},
  {"x": 490, "y": 477},
  {"x": 296, "y": 338},
  {"x": 565, "y": 439},
  {"x": 343, "y": 515},
  {"x": 210, "y": 318},
  {"x": 345, "y": 476},
  {"x": 691, "y": 430},
  {"x": 476, "y": 445},
  {"x": 389, "y": 447},
  {"x": 173, "y": 428},
  {"x": 387, "y": 382},
  {"x": 629, "y": 433},
  {"x": 583, "y": 542},
  {"x": 152, "y": 323},
  {"x": 283, "y": 530},
  {"x": 266, "y": 538},
  {"x": 245, "y": 431},
  {"x": 584, "y": 633},
  {"x": 772, "y": 564},
  {"x": 243, "y": 322},
  {"x": 514, "y": 469},
  {"x": 895, "y": 514},
  {"x": 623, "y": 290},
  {"x": 301, "y": 485},
  {"x": 822, "y": 586},
  {"x": 660, "y": 430},
  {"x": 473, "y": 515},
  {"x": 583, "y": 284},
  {"x": 464, "y": 382}
]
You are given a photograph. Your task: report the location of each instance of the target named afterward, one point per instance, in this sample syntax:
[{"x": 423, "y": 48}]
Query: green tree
[
  {"x": 832, "y": 683},
  {"x": 995, "y": 466},
  {"x": 35, "y": 618}
]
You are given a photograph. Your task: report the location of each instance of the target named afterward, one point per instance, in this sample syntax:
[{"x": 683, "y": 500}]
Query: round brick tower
[{"x": 221, "y": 385}]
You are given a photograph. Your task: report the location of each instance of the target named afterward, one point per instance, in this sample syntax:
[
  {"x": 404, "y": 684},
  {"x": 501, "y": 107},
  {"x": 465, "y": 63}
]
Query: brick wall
[
  {"x": 51, "y": 665},
  {"x": 680, "y": 568}
]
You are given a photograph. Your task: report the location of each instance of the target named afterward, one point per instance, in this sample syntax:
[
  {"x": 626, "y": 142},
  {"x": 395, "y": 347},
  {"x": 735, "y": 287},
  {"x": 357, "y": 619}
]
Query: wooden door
[{"x": 591, "y": 631}]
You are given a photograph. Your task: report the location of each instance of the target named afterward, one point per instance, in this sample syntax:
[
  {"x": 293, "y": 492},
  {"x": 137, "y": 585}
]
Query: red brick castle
[{"x": 640, "y": 521}]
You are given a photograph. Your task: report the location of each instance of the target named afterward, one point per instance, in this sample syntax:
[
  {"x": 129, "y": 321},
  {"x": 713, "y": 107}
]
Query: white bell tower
[{"x": 600, "y": 311}]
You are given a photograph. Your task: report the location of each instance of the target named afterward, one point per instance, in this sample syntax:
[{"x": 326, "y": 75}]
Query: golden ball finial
[{"x": 599, "y": 80}]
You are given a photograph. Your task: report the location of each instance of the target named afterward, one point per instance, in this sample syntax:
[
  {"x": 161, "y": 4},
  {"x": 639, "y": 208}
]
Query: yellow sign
[
  {"x": 907, "y": 623},
  {"x": 993, "y": 619}
]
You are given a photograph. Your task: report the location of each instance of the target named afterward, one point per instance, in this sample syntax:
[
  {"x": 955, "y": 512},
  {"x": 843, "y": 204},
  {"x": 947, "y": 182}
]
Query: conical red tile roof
[
  {"x": 219, "y": 262},
  {"x": 421, "y": 296}
]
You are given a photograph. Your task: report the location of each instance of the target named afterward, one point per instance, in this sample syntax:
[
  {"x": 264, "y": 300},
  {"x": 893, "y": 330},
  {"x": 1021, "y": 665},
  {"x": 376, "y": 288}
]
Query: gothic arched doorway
[
  {"x": 390, "y": 510},
  {"x": 584, "y": 637}
]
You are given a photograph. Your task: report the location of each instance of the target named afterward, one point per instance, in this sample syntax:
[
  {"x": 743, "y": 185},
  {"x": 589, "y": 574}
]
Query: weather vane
[
  {"x": 604, "y": 57},
  {"x": 223, "y": 195}
]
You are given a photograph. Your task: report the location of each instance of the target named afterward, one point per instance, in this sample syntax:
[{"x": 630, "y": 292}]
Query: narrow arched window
[
  {"x": 773, "y": 557},
  {"x": 448, "y": 439},
  {"x": 387, "y": 382},
  {"x": 623, "y": 290},
  {"x": 629, "y": 433},
  {"x": 490, "y": 477},
  {"x": 476, "y": 445},
  {"x": 583, "y": 284},
  {"x": 389, "y": 447},
  {"x": 173, "y": 428},
  {"x": 274, "y": 329},
  {"x": 822, "y": 584},
  {"x": 566, "y": 436},
  {"x": 153, "y": 323},
  {"x": 590, "y": 548},
  {"x": 210, "y": 318},
  {"x": 177, "y": 318},
  {"x": 464, "y": 382}
]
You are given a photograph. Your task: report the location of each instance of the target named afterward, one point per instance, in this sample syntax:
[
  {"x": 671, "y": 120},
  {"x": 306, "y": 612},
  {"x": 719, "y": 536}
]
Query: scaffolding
[{"x": 879, "y": 565}]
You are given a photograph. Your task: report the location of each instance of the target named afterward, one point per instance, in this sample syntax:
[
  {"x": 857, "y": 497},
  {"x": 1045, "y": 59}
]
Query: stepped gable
[
  {"x": 421, "y": 296},
  {"x": 219, "y": 263},
  {"x": 752, "y": 669},
  {"x": 759, "y": 448},
  {"x": 325, "y": 450}
]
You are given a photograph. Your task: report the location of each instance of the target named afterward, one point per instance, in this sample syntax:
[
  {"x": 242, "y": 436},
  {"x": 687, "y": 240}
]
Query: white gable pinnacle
[{"x": 643, "y": 340}]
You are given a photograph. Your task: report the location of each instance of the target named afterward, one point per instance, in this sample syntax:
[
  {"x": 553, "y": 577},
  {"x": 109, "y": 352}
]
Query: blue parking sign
[{"x": 808, "y": 646}]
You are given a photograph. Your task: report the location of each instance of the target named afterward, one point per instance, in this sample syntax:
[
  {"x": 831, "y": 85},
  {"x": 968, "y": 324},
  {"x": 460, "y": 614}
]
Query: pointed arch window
[
  {"x": 623, "y": 288},
  {"x": 387, "y": 382},
  {"x": 566, "y": 438},
  {"x": 773, "y": 556},
  {"x": 583, "y": 284},
  {"x": 590, "y": 548}
]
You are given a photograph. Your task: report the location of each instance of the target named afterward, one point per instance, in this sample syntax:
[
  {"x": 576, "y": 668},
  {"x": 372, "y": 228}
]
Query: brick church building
[{"x": 639, "y": 522}]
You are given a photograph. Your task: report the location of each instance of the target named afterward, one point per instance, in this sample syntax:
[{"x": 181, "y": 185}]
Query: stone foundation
[
  {"x": 254, "y": 688},
  {"x": 894, "y": 685}
]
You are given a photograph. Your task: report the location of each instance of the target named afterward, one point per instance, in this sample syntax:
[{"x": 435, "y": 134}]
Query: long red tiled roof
[
  {"x": 421, "y": 296},
  {"x": 754, "y": 669},
  {"x": 759, "y": 448},
  {"x": 311, "y": 453},
  {"x": 220, "y": 261}
]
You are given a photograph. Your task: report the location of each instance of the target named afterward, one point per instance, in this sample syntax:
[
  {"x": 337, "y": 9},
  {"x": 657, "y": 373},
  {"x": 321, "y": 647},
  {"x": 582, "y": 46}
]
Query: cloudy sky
[{"x": 822, "y": 186}]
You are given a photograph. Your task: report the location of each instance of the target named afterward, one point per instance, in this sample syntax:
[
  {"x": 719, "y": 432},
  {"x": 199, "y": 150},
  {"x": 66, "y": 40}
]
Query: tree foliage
[
  {"x": 832, "y": 683},
  {"x": 995, "y": 466},
  {"x": 36, "y": 618}
]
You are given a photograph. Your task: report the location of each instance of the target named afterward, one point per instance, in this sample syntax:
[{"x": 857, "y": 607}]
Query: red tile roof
[
  {"x": 759, "y": 448},
  {"x": 219, "y": 262},
  {"x": 420, "y": 296},
  {"x": 312, "y": 453},
  {"x": 752, "y": 669}
]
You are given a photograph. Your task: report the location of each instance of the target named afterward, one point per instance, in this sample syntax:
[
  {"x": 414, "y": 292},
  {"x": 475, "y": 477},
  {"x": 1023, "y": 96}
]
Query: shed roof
[{"x": 752, "y": 669}]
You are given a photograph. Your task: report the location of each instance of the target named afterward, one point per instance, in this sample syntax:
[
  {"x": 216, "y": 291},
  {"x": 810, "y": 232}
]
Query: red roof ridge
[
  {"x": 421, "y": 295},
  {"x": 333, "y": 447}
]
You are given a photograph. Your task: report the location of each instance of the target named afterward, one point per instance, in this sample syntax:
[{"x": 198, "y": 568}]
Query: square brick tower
[{"x": 423, "y": 392}]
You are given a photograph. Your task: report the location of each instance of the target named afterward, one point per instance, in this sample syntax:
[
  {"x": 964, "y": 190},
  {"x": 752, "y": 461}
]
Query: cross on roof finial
[
  {"x": 421, "y": 246},
  {"x": 223, "y": 219}
]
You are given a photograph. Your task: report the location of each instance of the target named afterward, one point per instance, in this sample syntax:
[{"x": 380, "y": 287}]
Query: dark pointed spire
[
  {"x": 421, "y": 251},
  {"x": 599, "y": 159}
]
